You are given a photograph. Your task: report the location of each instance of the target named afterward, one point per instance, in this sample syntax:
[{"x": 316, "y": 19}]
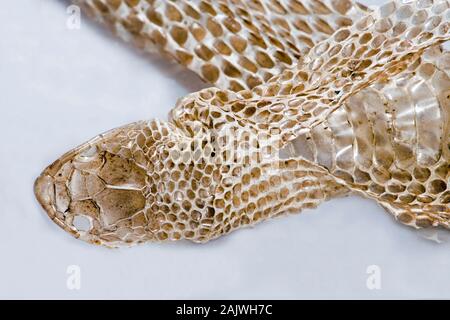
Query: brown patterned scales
[{"x": 312, "y": 99}]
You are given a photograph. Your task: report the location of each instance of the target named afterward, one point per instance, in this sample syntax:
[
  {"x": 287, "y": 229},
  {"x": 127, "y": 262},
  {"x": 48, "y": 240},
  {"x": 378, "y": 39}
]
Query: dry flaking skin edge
[{"x": 311, "y": 100}]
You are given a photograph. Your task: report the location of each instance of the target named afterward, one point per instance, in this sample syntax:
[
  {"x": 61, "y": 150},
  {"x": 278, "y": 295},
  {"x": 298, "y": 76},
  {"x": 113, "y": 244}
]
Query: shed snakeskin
[{"x": 309, "y": 100}]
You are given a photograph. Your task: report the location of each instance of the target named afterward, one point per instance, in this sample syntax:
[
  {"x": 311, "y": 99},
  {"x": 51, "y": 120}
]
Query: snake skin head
[
  {"x": 96, "y": 193},
  {"x": 152, "y": 181}
]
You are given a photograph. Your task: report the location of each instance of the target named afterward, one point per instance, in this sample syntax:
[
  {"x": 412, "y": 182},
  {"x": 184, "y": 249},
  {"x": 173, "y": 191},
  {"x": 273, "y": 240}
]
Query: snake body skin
[{"x": 310, "y": 100}]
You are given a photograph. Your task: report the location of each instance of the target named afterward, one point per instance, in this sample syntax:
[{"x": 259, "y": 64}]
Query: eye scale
[{"x": 310, "y": 100}]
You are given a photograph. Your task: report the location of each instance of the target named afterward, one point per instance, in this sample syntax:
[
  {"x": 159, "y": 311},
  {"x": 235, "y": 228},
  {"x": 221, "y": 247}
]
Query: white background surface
[{"x": 58, "y": 88}]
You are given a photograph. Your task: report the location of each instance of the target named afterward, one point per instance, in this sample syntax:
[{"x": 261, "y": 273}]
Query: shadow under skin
[{"x": 165, "y": 64}]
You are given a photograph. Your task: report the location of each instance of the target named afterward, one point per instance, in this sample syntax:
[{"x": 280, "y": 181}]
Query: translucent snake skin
[{"x": 309, "y": 100}]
